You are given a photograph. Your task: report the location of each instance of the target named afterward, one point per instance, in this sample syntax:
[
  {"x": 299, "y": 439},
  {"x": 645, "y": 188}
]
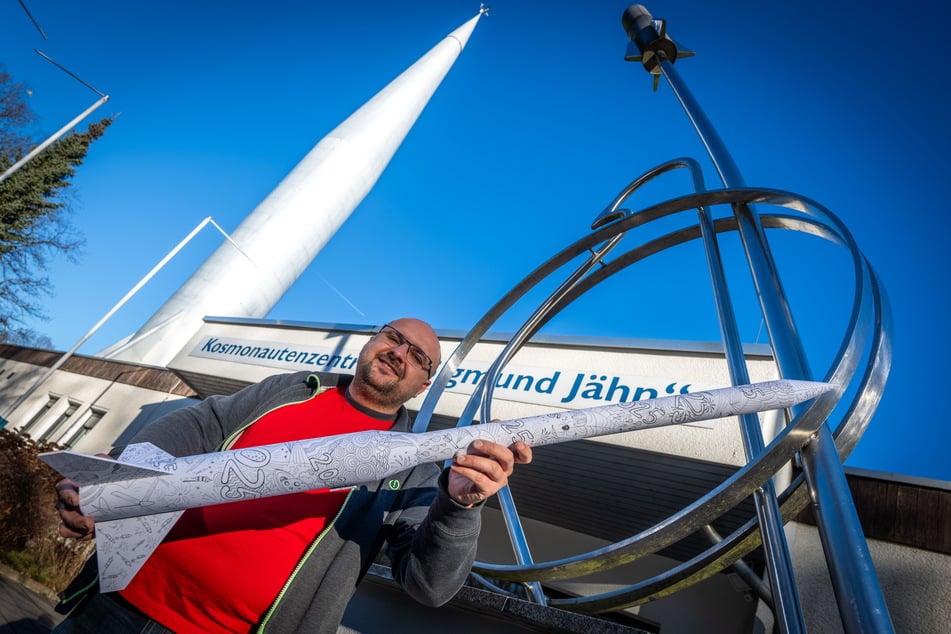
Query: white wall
[
  {"x": 916, "y": 584},
  {"x": 127, "y": 408}
]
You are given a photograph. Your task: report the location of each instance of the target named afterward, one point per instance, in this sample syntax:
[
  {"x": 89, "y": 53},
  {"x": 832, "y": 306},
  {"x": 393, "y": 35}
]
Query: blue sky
[{"x": 537, "y": 127}]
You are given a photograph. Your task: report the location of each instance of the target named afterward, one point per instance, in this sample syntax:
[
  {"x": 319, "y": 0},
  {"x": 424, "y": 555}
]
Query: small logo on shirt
[{"x": 394, "y": 485}]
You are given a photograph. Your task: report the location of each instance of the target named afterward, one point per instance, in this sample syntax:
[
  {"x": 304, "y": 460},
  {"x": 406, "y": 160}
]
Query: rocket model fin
[
  {"x": 86, "y": 470},
  {"x": 123, "y": 546}
]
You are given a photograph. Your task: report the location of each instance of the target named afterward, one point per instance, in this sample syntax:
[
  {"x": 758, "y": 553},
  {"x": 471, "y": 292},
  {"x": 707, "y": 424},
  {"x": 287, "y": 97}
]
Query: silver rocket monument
[{"x": 282, "y": 235}]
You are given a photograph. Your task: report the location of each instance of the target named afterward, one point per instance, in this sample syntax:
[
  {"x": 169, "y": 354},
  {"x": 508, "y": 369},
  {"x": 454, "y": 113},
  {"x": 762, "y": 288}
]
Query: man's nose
[{"x": 400, "y": 351}]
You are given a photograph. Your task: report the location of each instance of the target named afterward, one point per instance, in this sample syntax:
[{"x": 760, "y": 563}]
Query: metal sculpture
[{"x": 859, "y": 369}]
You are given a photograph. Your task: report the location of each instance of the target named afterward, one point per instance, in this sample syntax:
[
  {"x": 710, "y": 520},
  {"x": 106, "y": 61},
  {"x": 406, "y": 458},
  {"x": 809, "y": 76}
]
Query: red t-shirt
[{"x": 220, "y": 568}]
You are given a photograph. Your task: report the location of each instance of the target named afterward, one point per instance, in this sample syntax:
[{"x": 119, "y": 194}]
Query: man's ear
[{"x": 423, "y": 389}]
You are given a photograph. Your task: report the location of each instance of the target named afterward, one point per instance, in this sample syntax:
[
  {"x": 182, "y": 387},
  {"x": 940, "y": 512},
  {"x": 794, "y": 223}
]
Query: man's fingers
[
  {"x": 69, "y": 498},
  {"x": 484, "y": 469},
  {"x": 523, "y": 452},
  {"x": 74, "y": 524},
  {"x": 494, "y": 452},
  {"x": 66, "y": 531},
  {"x": 68, "y": 492},
  {"x": 477, "y": 467}
]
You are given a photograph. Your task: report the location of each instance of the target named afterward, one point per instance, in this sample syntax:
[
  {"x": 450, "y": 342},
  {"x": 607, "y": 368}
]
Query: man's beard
[{"x": 388, "y": 392}]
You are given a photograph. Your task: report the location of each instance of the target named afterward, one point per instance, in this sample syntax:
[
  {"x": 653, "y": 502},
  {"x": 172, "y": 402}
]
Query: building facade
[{"x": 575, "y": 498}]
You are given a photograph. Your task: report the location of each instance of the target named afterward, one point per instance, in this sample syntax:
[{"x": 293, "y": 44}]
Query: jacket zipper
[{"x": 300, "y": 564}]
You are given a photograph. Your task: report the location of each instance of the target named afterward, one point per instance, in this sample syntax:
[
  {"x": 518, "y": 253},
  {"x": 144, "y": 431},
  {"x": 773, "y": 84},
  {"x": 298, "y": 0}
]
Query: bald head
[{"x": 422, "y": 334}]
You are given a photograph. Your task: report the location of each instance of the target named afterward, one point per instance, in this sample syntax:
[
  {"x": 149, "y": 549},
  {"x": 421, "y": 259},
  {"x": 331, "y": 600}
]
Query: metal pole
[
  {"x": 861, "y": 603},
  {"x": 42, "y": 146},
  {"x": 858, "y": 593},
  {"x": 135, "y": 289},
  {"x": 513, "y": 523},
  {"x": 785, "y": 595}
]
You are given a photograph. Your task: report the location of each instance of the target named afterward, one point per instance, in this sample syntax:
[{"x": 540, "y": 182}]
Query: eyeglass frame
[{"x": 410, "y": 348}]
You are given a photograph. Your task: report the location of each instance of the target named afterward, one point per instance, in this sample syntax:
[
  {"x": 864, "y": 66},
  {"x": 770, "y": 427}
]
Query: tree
[{"x": 34, "y": 222}]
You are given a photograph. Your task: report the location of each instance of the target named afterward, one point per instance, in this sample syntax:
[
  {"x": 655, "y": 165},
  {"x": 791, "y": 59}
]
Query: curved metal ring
[{"x": 749, "y": 477}]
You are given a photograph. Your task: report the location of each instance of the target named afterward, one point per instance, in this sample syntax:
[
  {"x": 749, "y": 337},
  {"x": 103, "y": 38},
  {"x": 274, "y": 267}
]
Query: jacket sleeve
[
  {"x": 203, "y": 427},
  {"x": 431, "y": 555}
]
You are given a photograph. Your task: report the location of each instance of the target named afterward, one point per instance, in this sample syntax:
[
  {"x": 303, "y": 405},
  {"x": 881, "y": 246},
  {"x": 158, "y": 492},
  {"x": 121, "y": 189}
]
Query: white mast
[{"x": 288, "y": 228}]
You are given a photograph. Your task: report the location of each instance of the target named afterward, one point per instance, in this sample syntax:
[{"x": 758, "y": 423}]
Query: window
[
  {"x": 62, "y": 420},
  {"x": 92, "y": 419},
  {"x": 40, "y": 415}
]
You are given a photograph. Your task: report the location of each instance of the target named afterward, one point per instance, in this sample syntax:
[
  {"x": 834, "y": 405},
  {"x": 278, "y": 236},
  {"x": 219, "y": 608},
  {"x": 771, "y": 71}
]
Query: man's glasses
[{"x": 416, "y": 354}]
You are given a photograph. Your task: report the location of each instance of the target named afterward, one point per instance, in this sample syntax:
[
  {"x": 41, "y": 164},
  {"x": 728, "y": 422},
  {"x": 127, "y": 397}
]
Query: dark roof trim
[
  {"x": 144, "y": 376},
  {"x": 899, "y": 509}
]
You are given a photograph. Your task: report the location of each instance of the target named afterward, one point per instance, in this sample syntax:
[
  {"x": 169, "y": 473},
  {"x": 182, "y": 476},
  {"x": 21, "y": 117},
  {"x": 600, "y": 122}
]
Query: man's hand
[
  {"x": 74, "y": 524},
  {"x": 484, "y": 469}
]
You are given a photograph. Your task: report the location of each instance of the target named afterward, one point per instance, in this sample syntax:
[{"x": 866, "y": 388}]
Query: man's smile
[{"x": 390, "y": 366}]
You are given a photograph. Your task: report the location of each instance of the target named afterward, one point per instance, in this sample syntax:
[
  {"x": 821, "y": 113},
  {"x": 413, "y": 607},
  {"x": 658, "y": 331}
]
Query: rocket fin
[
  {"x": 123, "y": 546},
  {"x": 143, "y": 453},
  {"x": 85, "y": 470}
]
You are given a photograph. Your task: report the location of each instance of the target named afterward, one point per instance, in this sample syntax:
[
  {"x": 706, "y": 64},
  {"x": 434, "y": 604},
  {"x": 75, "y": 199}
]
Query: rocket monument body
[{"x": 285, "y": 232}]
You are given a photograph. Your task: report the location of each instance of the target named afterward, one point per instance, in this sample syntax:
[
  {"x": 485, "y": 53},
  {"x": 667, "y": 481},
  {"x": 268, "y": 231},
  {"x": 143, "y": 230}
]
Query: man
[{"x": 290, "y": 563}]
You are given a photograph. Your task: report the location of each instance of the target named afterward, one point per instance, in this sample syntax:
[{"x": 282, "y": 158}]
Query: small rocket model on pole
[{"x": 137, "y": 499}]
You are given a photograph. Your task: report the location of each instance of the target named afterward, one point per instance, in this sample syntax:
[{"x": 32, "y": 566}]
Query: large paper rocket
[{"x": 137, "y": 499}]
